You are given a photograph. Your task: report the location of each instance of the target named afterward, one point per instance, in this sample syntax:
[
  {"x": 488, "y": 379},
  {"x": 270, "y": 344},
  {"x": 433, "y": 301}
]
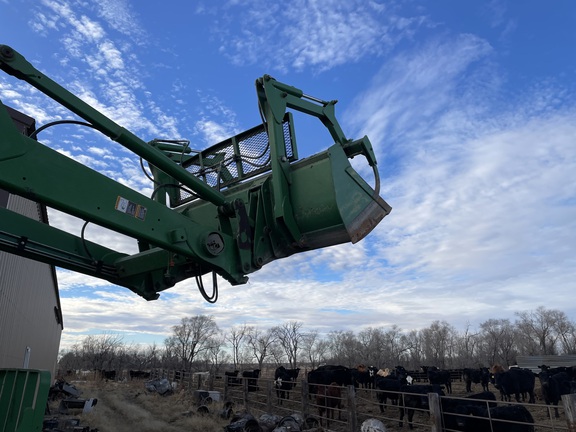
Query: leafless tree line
[{"x": 197, "y": 343}]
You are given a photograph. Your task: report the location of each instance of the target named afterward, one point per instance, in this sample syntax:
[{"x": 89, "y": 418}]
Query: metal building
[{"x": 30, "y": 314}]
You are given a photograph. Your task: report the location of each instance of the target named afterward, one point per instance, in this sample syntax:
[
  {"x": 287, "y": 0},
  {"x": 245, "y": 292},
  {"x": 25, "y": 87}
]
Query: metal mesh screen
[{"x": 240, "y": 157}]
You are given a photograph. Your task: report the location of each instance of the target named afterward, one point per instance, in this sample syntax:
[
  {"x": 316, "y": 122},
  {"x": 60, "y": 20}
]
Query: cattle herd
[{"x": 406, "y": 390}]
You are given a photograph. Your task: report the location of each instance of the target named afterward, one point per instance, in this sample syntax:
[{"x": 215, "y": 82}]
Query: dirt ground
[{"x": 128, "y": 406}]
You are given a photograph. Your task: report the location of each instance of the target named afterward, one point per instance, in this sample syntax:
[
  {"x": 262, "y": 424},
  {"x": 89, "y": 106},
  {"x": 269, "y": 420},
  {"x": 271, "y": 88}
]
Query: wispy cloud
[
  {"x": 309, "y": 33},
  {"x": 102, "y": 70},
  {"x": 216, "y": 121},
  {"x": 483, "y": 214},
  {"x": 120, "y": 16},
  {"x": 478, "y": 189}
]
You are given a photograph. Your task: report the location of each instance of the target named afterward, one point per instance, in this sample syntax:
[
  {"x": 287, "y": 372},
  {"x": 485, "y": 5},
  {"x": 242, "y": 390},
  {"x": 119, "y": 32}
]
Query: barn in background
[
  {"x": 534, "y": 362},
  {"x": 30, "y": 314}
]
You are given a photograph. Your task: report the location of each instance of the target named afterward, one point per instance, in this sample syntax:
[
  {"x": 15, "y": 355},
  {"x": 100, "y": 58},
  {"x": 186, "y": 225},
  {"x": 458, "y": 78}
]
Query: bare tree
[
  {"x": 290, "y": 338},
  {"x": 259, "y": 343},
  {"x": 437, "y": 341},
  {"x": 567, "y": 336},
  {"x": 150, "y": 357},
  {"x": 215, "y": 355},
  {"x": 236, "y": 335},
  {"x": 393, "y": 344},
  {"x": 100, "y": 350},
  {"x": 276, "y": 352},
  {"x": 498, "y": 341},
  {"x": 314, "y": 348},
  {"x": 194, "y": 335},
  {"x": 71, "y": 361},
  {"x": 414, "y": 351},
  {"x": 541, "y": 326},
  {"x": 467, "y": 348},
  {"x": 371, "y": 346},
  {"x": 344, "y": 348}
]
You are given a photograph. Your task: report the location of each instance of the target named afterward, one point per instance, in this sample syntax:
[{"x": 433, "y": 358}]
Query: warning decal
[{"x": 131, "y": 208}]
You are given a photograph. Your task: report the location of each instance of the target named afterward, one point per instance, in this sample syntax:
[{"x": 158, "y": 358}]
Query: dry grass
[{"x": 128, "y": 406}]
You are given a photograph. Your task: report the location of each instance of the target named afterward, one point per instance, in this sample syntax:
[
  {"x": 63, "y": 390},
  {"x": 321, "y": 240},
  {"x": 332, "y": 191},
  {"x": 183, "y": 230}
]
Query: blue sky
[{"x": 470, "y": 107}]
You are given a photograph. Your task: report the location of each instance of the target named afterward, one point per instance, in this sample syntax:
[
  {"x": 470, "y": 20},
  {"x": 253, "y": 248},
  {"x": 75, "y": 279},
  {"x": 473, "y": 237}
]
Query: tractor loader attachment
[{"x": 227, "y": 210}]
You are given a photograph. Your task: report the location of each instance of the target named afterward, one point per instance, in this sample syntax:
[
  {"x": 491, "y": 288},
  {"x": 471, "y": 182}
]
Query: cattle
[
  {"x": 138, "y": 374},
  {"x": 284, "y": 381},
  {"x": 341, "y": 375},
  {"x": 516, "y": 381},
  {"x": 418, "y": 375},
  {"x": 569, "y": 370},
  {"x": 553, "y": 387},
  {"x": 438, "y": 377},
  {"x": 361, "y": 377},
  {"x": 454, "y": 408},
  {"x": 252, "y": 377},
  {"x": 507, "y": 418},
  {"x": 108, "y": 375},
  {"x": 387, "y": 384},
  {"x": 232, "y": 378},
  {"x": 329, "y": 398},
  {"x": 415, "y": 397},
  {"x": 401, "y": 372},
  {"x": 476, "y": 376},
  {"x": 372, "y": 370}
]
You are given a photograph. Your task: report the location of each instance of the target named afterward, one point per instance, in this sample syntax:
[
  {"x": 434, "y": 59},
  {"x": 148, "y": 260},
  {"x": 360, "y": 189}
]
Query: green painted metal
[
  {"x": 23, "y": 398},
  {"x": 233, "y": 217}
]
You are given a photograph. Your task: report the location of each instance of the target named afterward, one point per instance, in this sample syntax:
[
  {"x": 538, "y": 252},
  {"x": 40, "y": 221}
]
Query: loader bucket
[
  {"x": 332, "y": 204},
  {"x": 327, "y": 200}
]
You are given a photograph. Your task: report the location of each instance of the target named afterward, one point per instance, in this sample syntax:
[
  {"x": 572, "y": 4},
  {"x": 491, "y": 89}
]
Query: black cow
[
  {"x": 372, "y": 371},
  {"x": 569, "y": 370},
  {"x": 553, "y": 387},
  {"x": 515, "y": 381},
  {"x": 328, "y": 374},
  {"x": 284, "y": 381},
  {"x": 454, "y": 408},
  {"x": 482, "y": 419},
  {"x": 388, "y": 387},
  {"x": 252, "y": 377},
  {"x": 415, "y": 397},
  {"x": 476, "y": 376},
  {"x": 438, "y": 377},
  {"x": 232, "y": 378},
  {"x": 360, "y": 377},
  {"x": 108, "y": 374},
  {"x": 138, "y": 374}
]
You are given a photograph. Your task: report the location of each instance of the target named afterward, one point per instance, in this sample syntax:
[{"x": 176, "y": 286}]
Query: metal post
[
  {"x": 270, "y": 393},
  {"x": 27, "y": 357},
  {"x": 245, "y": 385},
  {"x": 569, "y": 401},
  {"x": 435, "y": 412},
  {"x": 352, "y": 414},
  {"x": 305, "y": 406},
  {"x": 226, "y": 389}
]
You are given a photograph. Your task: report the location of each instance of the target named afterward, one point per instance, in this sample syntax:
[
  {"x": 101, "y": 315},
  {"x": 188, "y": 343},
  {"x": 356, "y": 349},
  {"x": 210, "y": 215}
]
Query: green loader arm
[{"x": 229, "y": 209}]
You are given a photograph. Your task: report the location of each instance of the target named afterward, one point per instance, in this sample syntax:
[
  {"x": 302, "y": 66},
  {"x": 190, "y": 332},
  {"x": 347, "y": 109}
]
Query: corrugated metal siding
[
  {"x": 532, "y": 362},
  {"x": 28, "y": 298}
]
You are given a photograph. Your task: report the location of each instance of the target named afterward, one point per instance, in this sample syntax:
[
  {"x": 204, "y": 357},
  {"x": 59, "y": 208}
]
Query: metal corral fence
[{"x": 355, "y": 405}]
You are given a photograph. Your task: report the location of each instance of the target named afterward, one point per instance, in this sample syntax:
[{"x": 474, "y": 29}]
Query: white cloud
[
  {"x": 483, "y": 213},
  {"x": 119, "y": 15},
  {"x": 483, "y": 210},
  {"x": 309, "y": 33},
  {"x": 212, "y": 131}
]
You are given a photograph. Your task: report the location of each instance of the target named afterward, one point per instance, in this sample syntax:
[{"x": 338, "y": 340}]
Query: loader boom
[{"x": 226, "y": 210}]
